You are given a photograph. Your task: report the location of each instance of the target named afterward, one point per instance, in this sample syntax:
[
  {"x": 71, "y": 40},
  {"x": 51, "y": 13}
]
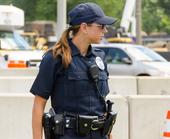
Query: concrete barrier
[
  {"x": 121, "y": 127},
  {"x": 147, "y": 115},
  {"x": 139, "y": 116},
  {"x": 120, "y": 85},
  {"x": 123, "y": 85},
  {"x": 16, "y": 111},
  {"x": 19, "y": 72},
  {"x": 22, "y": 84},
  {"x": 153, "y": 85},
  {"x": 17, "y": 84}
]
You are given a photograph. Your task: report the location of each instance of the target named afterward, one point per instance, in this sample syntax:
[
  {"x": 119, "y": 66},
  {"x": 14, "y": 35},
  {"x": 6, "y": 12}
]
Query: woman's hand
[{"x": 110, "y": 136}]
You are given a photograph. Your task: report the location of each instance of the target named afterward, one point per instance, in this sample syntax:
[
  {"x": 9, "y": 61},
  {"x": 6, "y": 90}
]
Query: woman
[{"x": 68, "y": 75}]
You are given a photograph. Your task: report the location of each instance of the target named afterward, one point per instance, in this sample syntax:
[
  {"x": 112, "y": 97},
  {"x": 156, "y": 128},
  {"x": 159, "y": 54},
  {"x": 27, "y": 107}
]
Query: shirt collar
[{"x": 75, "y": 50}]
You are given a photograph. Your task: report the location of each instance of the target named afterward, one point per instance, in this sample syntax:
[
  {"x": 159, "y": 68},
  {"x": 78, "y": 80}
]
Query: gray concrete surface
[
  {"x": 19, "y": 72},
  {"x": 153, "y": 85},
  {"x": 147, "y": 116},
  {"x": 123, "y": 85},
  {"x": 16, "y": 109}
]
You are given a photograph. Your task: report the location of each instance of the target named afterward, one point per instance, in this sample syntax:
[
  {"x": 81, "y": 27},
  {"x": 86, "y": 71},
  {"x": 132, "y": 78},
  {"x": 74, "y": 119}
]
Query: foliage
[
  {"x": 45, "y": 10},
  {"x": 165, "y": 20},
  {"x": 5, "y": 2},
  {"x": 155, "y": 15},
  {"x": 35, "y": 9},
  {"x": 150, "y": 16},
  {"x": 111, "y": 7},
  {"x": 165, "y": 4}
]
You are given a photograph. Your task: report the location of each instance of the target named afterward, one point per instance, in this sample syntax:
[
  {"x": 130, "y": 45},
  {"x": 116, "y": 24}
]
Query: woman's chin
[{"x": 98, "y": 41}]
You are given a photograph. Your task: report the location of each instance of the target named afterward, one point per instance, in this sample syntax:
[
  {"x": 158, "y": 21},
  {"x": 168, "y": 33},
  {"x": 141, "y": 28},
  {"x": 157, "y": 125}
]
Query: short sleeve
[{"x": 44, "y": 82}]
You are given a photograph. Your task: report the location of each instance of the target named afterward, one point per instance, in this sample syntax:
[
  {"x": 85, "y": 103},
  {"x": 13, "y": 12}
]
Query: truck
[
  {"x": 128, "y": 21},
  {"x": 15, "y": 52},
  {"x": 127, "y": 31}
]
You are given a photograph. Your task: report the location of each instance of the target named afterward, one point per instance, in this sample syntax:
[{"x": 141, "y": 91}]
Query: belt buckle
[{"x": 93, "y": 123}]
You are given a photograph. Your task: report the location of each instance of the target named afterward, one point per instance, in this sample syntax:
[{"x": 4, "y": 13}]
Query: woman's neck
[{"x": 81, "y": 43}]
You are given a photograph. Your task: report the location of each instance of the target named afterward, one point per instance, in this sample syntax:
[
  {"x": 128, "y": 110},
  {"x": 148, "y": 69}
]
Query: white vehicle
[
  {"x": 15, "y": 52},
  {"x": 134, "y": 60}
]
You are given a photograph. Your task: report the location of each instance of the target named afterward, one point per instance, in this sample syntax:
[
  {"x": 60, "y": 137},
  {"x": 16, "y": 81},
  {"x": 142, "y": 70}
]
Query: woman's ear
[{"x": 83, "y": 28}]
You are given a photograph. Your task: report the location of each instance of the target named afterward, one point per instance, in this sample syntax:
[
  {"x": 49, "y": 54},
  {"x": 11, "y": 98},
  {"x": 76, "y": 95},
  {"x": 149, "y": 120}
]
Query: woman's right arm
[{"x": 37, "y": 113}]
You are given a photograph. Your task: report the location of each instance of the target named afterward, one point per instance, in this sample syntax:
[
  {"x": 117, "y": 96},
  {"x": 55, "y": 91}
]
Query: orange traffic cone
[{"x": 166, "y": 130}]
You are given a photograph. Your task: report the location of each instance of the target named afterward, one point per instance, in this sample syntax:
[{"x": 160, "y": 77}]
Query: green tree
[
  {"x": 5, "y": 2},
  {"x": 155, "y": 17},
  {"x": 28, "y": 7},
  {"x": 112, "y": 8},
  {"x": 150, "y": 16},
  {"x": 165, "y": 5},
  {"x": 45, "y": 10},
  {"x": 155, "y": 13}
]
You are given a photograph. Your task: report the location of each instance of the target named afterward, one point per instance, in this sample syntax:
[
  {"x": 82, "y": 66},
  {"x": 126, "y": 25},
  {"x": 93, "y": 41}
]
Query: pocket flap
[
  {"x": 84, "y": 76},
  {"x": 78, "y": 76}
]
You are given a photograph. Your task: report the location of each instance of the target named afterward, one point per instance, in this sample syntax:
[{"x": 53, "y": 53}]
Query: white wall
[
  {"x": 123, "y": 85},
  {"x": 16, "y": 84},
  {"x": 153, "y": 85},
  {"x": 15, "y": 113},
  {"x": 121, "y": 127},
  {"x": 139, "y": 116},
  {"x": 19, "y": 72},
  {"x": 16, "y": 110},
  {"x": 147, "y": 115}
]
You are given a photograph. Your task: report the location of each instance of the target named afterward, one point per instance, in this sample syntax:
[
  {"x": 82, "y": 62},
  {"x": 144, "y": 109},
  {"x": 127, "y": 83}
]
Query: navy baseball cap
[{"x": 88, "y": 13}]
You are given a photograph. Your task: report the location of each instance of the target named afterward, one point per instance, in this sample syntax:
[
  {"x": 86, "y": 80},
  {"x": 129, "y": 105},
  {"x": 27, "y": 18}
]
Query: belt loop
[{"x": 77, "y": 123}]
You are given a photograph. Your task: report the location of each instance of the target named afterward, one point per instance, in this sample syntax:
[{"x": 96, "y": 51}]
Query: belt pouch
[
  {"x": 59, "y": 124},
  {"x": 108, "y": 125},
  {"x": 84, "y": 125}
]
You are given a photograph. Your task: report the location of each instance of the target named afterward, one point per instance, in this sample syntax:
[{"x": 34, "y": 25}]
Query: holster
[
  {"x": 84, "y": 124},
  {"x": 108, "y": 125},
  {"x": 47, "y": 125}
]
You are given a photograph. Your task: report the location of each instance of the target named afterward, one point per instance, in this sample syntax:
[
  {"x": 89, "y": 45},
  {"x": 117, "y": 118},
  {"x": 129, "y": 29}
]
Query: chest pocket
[
  {"x": 83, "y": 85},
  {"x": 79, "y": 83}
]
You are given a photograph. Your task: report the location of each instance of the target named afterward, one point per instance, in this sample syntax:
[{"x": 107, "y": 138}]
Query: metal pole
[
  {"x": 61, "y": 17},
  {"x": 138, "y": 21}
]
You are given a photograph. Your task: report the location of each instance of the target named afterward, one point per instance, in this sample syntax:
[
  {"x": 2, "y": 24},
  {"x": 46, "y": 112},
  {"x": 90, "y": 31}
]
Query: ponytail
[{"x": 62, "y": 48}]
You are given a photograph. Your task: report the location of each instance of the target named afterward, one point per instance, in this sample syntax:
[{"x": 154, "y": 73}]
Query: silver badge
[{"x": 100, "y": 63}]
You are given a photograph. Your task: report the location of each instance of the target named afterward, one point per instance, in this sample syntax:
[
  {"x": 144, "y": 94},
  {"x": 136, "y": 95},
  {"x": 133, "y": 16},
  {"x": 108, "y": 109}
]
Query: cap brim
[{"x": 106, "y": 20}]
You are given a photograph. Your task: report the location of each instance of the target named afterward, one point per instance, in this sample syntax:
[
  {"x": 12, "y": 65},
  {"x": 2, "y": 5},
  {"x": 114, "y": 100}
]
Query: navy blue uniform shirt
[{"x": 72, "y": 89}]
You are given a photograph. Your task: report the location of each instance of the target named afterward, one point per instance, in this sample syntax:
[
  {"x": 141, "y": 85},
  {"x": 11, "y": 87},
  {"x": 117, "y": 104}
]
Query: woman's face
[{"x": 95, "y": 32}]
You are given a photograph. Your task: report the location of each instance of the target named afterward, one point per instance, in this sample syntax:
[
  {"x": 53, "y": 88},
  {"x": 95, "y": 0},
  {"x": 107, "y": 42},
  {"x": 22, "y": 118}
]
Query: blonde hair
[{"x": 62, "y": 48}]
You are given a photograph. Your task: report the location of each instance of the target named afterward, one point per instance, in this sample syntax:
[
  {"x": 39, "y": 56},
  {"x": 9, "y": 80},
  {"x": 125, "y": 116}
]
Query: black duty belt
[
  {"x": 96, "y": 124},
  {"x": 83, "y": 124}
]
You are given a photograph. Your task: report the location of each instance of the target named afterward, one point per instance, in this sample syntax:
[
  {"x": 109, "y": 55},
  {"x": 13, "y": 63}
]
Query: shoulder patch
[{"x": 100, "y": 63}]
